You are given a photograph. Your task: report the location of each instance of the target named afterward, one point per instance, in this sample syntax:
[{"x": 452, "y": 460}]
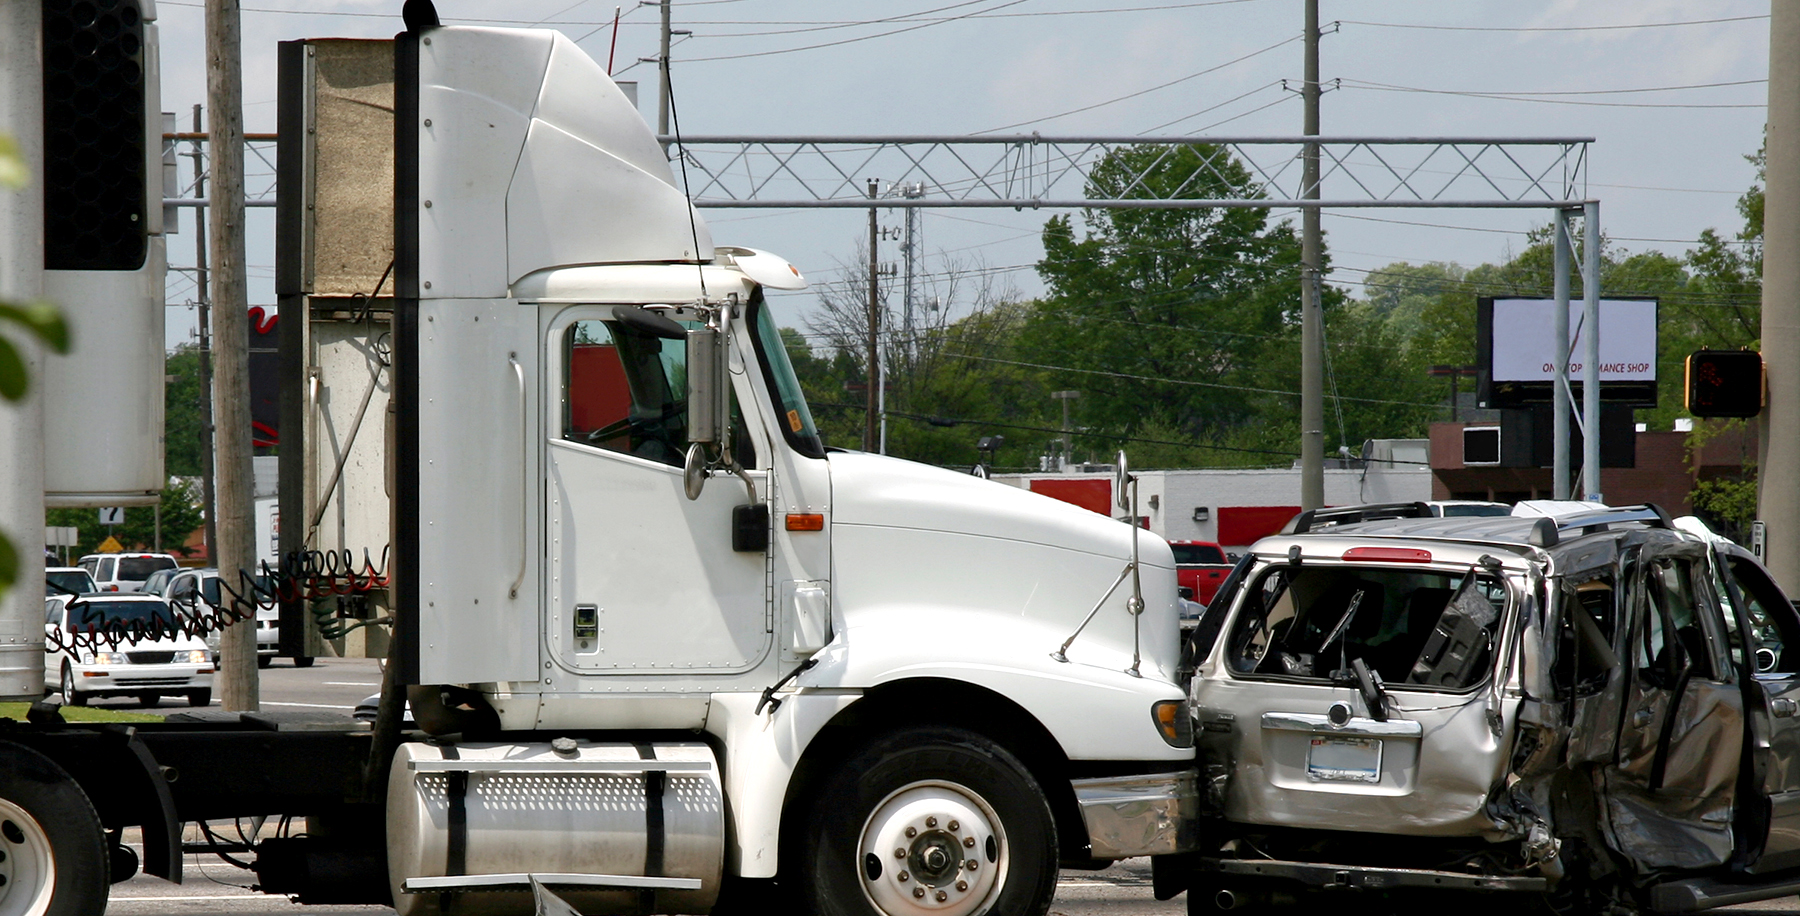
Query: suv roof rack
[
  {"x": 1649, "y": 514},
  {"x": 1314, "y": 519}
]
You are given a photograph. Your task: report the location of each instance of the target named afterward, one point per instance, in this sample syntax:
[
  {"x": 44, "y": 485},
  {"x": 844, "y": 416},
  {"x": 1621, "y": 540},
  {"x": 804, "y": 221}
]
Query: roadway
[{"x": 215, "y": 888}]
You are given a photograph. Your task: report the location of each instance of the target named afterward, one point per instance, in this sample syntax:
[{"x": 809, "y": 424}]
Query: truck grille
[{"x": 150, "y": 658}]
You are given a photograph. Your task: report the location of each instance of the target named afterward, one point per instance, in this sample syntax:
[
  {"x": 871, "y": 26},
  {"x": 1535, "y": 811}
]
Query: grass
[{"x": 81, "y": 714}]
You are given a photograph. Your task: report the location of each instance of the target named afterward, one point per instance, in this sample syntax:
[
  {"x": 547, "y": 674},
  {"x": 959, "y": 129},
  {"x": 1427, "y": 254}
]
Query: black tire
[
  {"x": 948, "y": 775},
  {"x": 44, "y": 817},
  {"x": 149, "y": 698},
  {"x": 71, "y": 696},
  {"x": 264, "y": 661},
  {"x": 304, "y": 661},
  {"x": 199, "y": 697}
]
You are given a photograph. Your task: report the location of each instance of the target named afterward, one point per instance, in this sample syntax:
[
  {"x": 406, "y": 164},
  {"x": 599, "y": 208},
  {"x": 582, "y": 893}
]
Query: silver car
[{"x": 1594, "y": 710}]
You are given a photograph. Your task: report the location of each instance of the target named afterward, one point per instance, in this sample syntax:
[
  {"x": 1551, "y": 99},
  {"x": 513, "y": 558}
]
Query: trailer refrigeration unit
[{"x": 659, "y": 642}]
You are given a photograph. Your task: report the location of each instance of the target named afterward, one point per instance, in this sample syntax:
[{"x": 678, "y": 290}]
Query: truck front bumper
[{"x": 1147, "y": 815}]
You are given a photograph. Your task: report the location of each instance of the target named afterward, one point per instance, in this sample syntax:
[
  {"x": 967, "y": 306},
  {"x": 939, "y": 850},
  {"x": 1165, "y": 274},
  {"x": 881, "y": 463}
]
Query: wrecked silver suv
[{"x": 1596, "y": 710}]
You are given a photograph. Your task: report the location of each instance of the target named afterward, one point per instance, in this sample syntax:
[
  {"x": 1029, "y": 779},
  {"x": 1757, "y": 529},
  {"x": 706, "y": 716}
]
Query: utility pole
[
  {"x": 1778, "y": 498},
  {"x": 662, "y": 74},
  {"x": 1312, "y": 318},
  {"x": 203, "y": 305},
  {"x": 1068, "y": 438},
  {"x": 231, "y": 381},
  {"x": 871, "y": 437}
]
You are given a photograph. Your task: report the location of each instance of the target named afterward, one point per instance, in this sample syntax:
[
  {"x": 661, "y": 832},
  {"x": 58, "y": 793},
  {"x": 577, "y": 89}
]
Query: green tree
[
  {"x": 181, "y": 515},
  {"x": 183, "y": 400},
  {"x": 1167, "y": 317}
]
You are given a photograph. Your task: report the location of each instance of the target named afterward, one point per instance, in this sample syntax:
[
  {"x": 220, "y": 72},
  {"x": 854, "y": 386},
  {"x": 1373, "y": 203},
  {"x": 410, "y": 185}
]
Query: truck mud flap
[
  {"x": 1313, "y": 874},
  {"x": 1697, "y": 894}
]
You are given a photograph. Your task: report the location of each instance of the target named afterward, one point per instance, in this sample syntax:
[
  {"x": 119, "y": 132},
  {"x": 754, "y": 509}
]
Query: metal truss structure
[{"x": 1032, "y": 171}]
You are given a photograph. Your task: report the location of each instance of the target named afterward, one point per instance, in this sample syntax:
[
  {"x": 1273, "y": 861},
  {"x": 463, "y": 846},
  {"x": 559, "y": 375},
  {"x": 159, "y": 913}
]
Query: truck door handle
[
  {"x": 524, "y": 476},
  {"x": 1783, "y": 707}
]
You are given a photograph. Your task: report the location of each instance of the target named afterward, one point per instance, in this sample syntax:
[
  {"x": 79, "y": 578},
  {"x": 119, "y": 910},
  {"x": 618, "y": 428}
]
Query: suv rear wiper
[{"x": 1373, "y": 694}]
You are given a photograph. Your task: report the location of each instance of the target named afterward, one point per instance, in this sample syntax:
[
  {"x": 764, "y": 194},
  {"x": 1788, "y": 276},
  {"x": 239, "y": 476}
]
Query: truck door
[
  {"x": 1670, "y": 787},
  {"x": 1760, "y": 609},
  {"x": 642, "y": 580}
]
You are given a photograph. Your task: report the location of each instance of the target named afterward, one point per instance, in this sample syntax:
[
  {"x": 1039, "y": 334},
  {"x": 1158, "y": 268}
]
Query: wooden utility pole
[
  {"x": 231, "y": 338},
  {"x": 871, "y": 435},
  {"x": 1312, "y": 315}
]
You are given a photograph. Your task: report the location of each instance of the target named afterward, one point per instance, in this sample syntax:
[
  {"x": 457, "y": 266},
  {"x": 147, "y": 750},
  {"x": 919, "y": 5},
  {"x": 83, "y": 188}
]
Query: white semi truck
[{"x": 665, "y": 650}]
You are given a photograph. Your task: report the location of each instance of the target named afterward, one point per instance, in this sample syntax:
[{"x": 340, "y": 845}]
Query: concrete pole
[
  {"x": 1559, "y": 350},
  {"x": 231, "y": 342},
  {"x": 1312, "y": 318},
  {"x": 22, "y": 422},
  {"x": 871, "y": 435},
  {"x": 1590, "y": 361},
  {"x": 203, "y": 309},
  {"x": 1778, "y": 503},
  {"x": 662, "y": 78}
]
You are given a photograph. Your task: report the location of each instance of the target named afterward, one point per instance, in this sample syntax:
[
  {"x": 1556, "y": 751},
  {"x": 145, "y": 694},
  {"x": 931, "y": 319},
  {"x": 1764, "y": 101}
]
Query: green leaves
[
  {"x": 43, "y": 321},
  {"x": 13, "y": 173}
]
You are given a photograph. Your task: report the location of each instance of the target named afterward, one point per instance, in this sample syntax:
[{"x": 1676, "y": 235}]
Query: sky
[{"x": 1673, "y": 93}]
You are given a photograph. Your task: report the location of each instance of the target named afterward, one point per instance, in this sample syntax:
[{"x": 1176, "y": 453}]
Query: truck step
[
  {"x": 559, "y": 767},
  {"x": 1697, "y": 894},
  {"x": 522, "y": 881}
]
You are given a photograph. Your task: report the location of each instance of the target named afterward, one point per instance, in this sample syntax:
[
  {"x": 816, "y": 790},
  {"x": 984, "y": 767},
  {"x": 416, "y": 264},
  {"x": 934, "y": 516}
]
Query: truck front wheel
[
  {"x": 53, "y": 858},
  {"x": 936, "y": 821}
]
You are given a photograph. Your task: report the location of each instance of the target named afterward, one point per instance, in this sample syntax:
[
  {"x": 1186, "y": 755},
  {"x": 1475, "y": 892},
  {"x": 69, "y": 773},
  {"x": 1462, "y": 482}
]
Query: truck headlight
[{"x": 1173, "y": 722}]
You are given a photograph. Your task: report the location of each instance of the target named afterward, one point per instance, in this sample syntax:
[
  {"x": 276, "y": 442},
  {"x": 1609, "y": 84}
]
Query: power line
[
  {"x": 1507, "y": 97},
  {"x": 1550, "y": 28},
  {"x": 1133, "y": 95},
  {"x": 833, "y": 44}
]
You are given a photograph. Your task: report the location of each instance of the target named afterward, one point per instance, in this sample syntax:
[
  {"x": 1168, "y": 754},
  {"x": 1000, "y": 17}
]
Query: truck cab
[{"x": 615, "y": 518}]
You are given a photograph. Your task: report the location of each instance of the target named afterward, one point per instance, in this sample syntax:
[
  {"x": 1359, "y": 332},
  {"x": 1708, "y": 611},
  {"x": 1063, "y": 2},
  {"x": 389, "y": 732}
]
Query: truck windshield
[{"x": 796, "y": 421}]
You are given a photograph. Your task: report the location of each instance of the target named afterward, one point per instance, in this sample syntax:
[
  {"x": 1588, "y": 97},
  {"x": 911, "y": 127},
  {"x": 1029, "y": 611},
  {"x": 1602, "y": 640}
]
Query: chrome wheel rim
[
  {"x": 27, "y": 870},
  {"x": 932, "y": 848},
  {"x": 68, "y": 685}
]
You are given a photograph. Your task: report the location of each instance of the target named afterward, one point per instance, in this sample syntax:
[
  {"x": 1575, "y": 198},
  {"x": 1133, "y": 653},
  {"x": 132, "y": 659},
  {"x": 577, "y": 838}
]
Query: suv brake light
[{"x": 1389, "y": 554}]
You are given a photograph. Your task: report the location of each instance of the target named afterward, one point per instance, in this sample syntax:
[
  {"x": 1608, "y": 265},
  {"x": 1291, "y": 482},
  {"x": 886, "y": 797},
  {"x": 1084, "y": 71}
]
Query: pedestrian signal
[{"x": 1725, "y": 383}]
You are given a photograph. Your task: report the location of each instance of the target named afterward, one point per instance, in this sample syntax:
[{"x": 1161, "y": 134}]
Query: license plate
[{"x": 1344, "y": 759}]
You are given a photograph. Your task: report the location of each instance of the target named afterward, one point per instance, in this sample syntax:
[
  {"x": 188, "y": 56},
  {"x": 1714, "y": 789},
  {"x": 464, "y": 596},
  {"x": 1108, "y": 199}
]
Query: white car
[
  {"x": 148, "y": 669},
  {"x": 68, "y": 580},
  {"x": 125, "y": 572},
  {"x": 182, "y": 586}
]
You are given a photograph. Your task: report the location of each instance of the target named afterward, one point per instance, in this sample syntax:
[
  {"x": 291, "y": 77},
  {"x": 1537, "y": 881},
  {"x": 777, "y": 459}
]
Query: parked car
[
  {"x": 1597, "y": 708},
  {"x": 172, "y": 663},
  {"x": 200, "y": 588},
  {"x": 1199, "y": 566},
  {"x": 68, "y": 580},
  {"x": 125, "y": 572}
]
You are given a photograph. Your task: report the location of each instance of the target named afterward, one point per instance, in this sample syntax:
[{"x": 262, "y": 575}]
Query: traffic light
[{"x": 1725, "y": 383}]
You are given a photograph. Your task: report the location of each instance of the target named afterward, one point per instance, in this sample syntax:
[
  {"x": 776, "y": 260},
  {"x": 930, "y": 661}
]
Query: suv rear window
[
  {"x": 1413, "y": 627},
  {"x": 1197, "y": 554},
  {"x": 137, "y": 569}
]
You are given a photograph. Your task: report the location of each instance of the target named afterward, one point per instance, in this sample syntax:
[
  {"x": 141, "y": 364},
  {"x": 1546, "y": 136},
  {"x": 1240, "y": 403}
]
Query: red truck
[{"x": 1199, "y": 566}]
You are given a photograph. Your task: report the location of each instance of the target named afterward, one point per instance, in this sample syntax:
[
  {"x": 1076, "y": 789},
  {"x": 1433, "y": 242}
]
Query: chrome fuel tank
[{"x": 611, "y": 827}]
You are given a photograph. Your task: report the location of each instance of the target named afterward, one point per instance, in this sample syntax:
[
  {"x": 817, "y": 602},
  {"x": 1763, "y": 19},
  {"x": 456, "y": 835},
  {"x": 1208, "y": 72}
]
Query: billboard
[{"x": 1516, "y": 359}]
